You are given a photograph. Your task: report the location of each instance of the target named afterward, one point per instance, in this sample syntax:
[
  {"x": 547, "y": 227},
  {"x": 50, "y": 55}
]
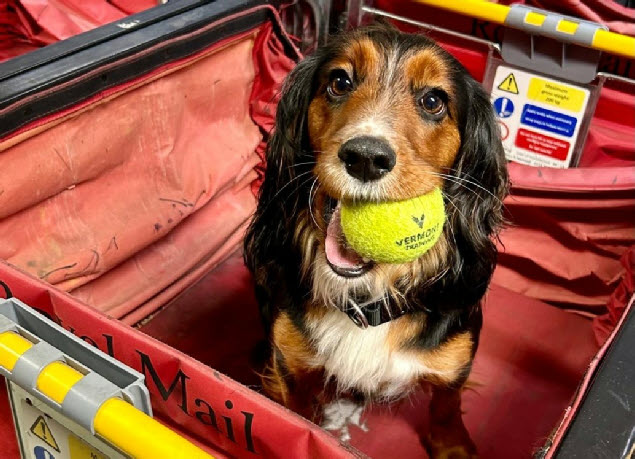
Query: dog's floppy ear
[
  {"x": 289, "y": 144},
  {"x": 480, "y": 167},
  {"x": 476, "y": 192},
  {"x": 285, "y": 189}
]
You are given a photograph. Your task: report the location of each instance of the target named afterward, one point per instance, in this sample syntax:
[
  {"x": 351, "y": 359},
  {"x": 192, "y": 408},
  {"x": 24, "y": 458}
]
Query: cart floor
[{"x": 527, "y": 368}]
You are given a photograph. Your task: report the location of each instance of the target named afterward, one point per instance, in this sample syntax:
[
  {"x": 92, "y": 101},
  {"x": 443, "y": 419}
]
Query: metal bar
[
  {"x": 434, "y": 28},
  {"x": 603, "y": 40},
  {"x": 117, "y": 421}
]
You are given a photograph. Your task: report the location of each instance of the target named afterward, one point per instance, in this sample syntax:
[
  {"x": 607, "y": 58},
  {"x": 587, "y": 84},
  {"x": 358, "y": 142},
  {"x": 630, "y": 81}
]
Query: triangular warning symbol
[
  {"x": 509, "y": 84},
  {"x": 41, "y": 430}
]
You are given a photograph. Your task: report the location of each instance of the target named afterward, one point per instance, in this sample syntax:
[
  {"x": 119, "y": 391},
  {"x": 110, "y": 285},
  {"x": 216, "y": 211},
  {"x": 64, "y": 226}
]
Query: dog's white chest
[{"x": 362, "y": 359}]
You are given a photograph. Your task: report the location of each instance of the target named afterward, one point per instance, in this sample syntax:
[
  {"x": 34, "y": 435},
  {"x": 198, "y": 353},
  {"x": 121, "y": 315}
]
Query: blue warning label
[
  {"x": 504, "y": 107},
  {"x": 548, "y": 120},
  {"x": 41, "y": 453}
]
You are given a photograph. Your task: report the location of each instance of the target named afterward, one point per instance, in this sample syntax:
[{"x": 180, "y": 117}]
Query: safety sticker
[
  {"x": 45, "y": 434},
  {"x": 41, "y": 430},
  {"x": 504, "y": 107},
  {"x": 542, "y": 144},
  {"x": 509, "y": 84},
  {"x": 548, "y": 120},
  {"x": 540, "y": 118},
  {"x": 504, "y": 130},
  {"x": 41, "y": 453},
  {"x": 555, "y": 94}
]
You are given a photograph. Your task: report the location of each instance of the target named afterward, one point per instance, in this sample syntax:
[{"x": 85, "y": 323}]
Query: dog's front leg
[
  {"x": 290, "y": 377},
  {"x": 447, "y": 438},
  {"x": 293, "y": 388}
]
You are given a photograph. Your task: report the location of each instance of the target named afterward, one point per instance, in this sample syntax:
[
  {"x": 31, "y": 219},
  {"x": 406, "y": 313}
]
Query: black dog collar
[{"x": 372, "y": 314}]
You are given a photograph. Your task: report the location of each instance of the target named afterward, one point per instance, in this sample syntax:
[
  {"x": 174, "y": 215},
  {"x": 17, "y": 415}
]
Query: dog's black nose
[{"x": 367, "y": 158}]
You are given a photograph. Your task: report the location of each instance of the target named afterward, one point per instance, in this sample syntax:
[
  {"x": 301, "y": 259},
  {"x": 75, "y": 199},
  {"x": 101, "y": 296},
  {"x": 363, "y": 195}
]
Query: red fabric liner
[
  {"x": 565, "y": 247},
  {"x": 275, "y": 431},
  {"x": 8, "y": 441},
  {"x": 604, "y": 325},
  {"x": 128, "y": 282}
]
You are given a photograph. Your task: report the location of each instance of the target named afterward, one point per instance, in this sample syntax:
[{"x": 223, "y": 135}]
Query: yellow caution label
[
  {"x": 556, "y": 94},
  {"x": 80, "y": 450},
  {"x": 41, "y": 430},
  {"x": 509, "y": 84}
]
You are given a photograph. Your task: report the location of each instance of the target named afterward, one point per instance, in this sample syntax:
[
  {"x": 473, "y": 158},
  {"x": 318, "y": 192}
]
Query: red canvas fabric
[
  {"x": 560, "y": 216},
  {"x": 604, "y": 325},
  {"x": 176, "y": 178}
]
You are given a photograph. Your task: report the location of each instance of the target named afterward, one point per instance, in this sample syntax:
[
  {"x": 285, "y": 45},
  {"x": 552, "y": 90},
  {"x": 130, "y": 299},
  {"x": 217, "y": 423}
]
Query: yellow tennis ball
[{"x": 397, "y": 231}]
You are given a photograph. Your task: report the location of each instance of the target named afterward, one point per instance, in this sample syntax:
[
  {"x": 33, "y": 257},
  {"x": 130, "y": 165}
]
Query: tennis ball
[{"x": 394, "y": 231}]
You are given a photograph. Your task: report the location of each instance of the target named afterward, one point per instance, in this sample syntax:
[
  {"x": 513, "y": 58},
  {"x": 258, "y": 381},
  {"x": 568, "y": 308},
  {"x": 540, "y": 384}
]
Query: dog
[{"x": 376, "y": 115}]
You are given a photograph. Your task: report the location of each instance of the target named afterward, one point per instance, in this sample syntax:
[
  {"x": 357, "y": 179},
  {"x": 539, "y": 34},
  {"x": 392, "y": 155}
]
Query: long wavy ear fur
[
  {"x": 269, "y": 251},
  {"x": 476, "y": 193}
]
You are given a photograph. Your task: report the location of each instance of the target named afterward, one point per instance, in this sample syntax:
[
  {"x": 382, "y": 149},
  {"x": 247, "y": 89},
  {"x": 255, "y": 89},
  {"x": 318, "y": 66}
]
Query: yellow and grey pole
[
  {"x": 602, "y": 40},
  {"x": 116, "y": 421}
]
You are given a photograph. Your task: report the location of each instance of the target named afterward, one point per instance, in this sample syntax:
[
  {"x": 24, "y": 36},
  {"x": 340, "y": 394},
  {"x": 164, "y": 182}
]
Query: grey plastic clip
[
  {"x": 32, "y": 362},
  {"x": 85, "y": 398},
  {"x": 7, "y": 325},
  {"x": 546, "y": 49},
  {"x": 104, "y": 377}
]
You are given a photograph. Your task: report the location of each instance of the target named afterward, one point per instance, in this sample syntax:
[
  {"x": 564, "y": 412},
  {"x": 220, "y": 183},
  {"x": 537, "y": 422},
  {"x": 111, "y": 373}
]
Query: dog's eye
[
  {"x": 433, "y": 103},
  {"x": 340, "y": 84}
]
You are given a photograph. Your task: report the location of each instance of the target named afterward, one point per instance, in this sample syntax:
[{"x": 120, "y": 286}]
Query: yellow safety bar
[
  {"x": 116, "y": 421},
  {"x": 603, "y": 40}
]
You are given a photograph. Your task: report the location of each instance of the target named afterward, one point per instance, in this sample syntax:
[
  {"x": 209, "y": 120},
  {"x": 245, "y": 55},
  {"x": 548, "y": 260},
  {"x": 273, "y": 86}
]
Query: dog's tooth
[{"x": 366, "y": 260}]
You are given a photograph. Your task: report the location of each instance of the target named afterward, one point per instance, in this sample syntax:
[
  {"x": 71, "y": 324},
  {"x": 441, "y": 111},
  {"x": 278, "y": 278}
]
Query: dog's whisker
[
  {"x": 297, "y": 203},
  {"x": 311, "y": 196},
  {"x": 302, "y": 164},
  {"x": 294, "y": 179},
  {"x": 457, "y": 180}
]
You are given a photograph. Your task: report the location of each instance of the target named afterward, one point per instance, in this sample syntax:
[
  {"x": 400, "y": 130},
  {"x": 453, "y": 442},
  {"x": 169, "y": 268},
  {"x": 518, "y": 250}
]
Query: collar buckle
[{"x": 370, "y": 315}]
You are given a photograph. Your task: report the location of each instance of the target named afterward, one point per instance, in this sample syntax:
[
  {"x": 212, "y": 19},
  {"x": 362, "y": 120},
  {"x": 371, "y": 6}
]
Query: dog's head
[{"x": 377, "y": 115}]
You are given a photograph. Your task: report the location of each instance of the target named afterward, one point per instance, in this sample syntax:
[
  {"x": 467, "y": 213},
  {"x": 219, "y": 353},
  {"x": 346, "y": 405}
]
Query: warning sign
[
  {"x": 558, "y": 95},
  {"x": 46, "y": 434},
  {"x": 543, "y": 144},
  {"x": 540, "y": 118},
  {"x": 509, "y": 84},
  {"x": 548, "y": 120},
  {"x": 41, "y": 430}
]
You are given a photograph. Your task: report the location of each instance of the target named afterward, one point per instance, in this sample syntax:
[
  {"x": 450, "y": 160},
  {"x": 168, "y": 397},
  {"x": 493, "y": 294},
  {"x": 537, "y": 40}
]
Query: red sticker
[
  {"x": 504, "y": 130},
  {"x": 542, "y": 144}
]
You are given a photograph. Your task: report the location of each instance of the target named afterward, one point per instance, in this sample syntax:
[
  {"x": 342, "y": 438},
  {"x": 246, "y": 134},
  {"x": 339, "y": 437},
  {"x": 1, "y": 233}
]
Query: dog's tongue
[{"x": 337, "y": 252}]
